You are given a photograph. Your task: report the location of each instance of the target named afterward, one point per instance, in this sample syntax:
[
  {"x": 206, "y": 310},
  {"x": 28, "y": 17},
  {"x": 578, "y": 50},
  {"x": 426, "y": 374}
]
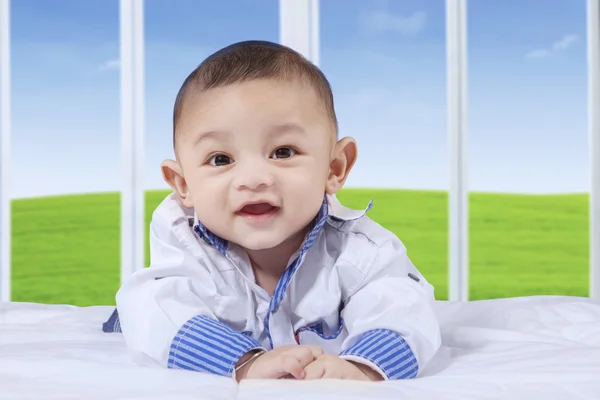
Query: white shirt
[{"x": 350, "y": 289}]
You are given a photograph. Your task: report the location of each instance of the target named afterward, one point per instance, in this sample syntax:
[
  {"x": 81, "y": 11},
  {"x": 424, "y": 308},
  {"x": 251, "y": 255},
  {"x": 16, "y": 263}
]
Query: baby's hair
[{"x": 254, "y": 60}]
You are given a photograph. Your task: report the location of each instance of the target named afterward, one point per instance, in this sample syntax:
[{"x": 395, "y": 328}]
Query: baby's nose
[{"x": 254, "y": 176}]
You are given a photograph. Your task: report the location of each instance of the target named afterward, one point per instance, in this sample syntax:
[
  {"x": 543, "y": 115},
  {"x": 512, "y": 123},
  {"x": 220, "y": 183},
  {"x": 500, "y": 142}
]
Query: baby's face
[{"x": 255, "y": 157}]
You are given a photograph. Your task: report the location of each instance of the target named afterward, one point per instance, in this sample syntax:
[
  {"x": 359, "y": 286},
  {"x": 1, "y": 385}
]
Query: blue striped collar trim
[
  {"x": 215, "y": 241},
  {"x": 318, "y": 224},
  {"x": 331, "y": 208}
]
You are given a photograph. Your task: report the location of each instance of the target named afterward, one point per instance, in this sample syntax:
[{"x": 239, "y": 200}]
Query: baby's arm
[
  {"x": 166, "y": 312},
  {"x": 156, "y": 325},
  {"x": 392, "y": 326},
  {"x": 166, "y": 317}
]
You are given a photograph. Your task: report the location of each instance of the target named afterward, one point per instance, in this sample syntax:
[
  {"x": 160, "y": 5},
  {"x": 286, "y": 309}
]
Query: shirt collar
[
  {"x": 338, "y": 212},
  {"x": 331, "y": 208}
]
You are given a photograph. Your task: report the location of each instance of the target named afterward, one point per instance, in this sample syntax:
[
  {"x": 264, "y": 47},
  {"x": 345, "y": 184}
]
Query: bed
[{"x": 519, "y": 348}]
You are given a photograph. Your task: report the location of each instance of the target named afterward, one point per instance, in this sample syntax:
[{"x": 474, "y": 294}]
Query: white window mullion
[
  {"x": 132, "y": 136},
  {"x": 299, "y": 27},
  {"x": 458, "y": 210},
  {"x": 5, "y": 126},
  {"x": 593, "y": 39}
]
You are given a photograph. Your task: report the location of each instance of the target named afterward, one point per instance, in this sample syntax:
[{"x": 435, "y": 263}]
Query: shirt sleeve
[
  {"x": 205, "y": 345},
  {"x": 166, "y": 316},
  {"x": 390, "y": 317}
]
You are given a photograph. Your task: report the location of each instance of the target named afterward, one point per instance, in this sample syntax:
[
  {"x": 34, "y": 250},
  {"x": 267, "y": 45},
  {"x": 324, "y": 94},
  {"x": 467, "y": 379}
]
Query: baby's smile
[{"x": 258, "y": 212}]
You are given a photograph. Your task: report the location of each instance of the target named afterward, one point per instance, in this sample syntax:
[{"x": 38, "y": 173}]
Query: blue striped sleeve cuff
[
  {"x": 385, "y": 350},
  {"x": 205, "y": 345}
]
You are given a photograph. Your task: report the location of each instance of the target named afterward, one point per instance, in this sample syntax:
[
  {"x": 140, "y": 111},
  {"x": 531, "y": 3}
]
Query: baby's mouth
[{"x": 258, "y": 209}]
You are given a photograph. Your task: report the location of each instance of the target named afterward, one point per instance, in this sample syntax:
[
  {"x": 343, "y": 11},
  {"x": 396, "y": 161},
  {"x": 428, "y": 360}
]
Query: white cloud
[
  {"x": 541, "y": 53},
  {"x": 564, "y": 43},
  {"x": 382, "y": 21},
  {"x": 110, "y": 65},
  {"x": 560, "y": 45}
]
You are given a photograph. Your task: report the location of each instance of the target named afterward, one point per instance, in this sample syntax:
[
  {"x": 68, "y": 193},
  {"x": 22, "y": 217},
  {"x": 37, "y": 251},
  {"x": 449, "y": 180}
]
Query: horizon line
[{"x": 357, "y": 188}]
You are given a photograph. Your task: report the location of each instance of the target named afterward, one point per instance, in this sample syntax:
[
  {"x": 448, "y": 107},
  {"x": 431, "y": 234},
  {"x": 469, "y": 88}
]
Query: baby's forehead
[{"x": 213, "y": 125}]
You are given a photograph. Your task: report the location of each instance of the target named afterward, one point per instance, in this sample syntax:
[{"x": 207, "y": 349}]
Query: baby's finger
[
  {"x": 304, "y": 355},
  {"x": 316, "y": 351},
  {"x": 291, "y": 365},
  {"x": 314, "y": 370}
]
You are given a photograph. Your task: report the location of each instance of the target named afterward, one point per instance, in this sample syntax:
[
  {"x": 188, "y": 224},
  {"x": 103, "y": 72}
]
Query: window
[
  {"x": 65, "y": 145},
  {"x": 528, "y": 149}
]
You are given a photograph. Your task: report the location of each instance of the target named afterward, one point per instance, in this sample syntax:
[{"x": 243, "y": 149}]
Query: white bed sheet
[{"x": 521, "y": 348}]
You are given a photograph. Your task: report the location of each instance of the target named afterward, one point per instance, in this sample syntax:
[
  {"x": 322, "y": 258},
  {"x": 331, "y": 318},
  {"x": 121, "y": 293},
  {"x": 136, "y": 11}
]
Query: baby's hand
[
  {"x": 333, "y": 367},
  {"x": 280, "y": 362}
]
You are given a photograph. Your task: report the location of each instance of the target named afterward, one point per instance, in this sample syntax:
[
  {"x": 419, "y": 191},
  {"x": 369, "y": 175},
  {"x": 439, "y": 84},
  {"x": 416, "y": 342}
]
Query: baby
[{"x": 257, "y": 270}]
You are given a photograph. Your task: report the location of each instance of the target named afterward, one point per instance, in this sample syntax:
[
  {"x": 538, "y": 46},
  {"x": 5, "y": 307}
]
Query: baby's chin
[{"x": 259, "y": 241}]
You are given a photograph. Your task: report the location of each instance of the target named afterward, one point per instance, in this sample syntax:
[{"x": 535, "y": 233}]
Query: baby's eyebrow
[
  {"x": 214, "y": 135},
  {"x": 273, "y": 130},
  {"x": 288, "y": 127}
]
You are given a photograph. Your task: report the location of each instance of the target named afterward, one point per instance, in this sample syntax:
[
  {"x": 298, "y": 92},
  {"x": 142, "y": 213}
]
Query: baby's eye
[
  {"x": 283, "y": 152},
  {"x": 219, "y": 160}
]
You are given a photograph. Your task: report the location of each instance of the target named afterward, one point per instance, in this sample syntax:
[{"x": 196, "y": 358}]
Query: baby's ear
[
  {"x": 173, "y": 175},
  {"x": 344, "y": 156}
]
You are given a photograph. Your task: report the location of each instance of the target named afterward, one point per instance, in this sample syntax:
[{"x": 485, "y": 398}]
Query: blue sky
[{"x": 385, "y": 60}]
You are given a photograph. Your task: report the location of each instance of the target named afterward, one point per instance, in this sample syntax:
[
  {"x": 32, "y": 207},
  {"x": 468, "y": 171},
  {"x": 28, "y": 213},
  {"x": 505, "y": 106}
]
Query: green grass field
[{"x": 66, "y": 249}]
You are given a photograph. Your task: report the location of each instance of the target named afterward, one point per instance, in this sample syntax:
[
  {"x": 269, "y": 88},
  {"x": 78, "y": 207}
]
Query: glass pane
[
  {"x": 174, "y": 50},
  {"x": 386, "y": 63},
  {"x": 528, "y": 148},
  {"x": 65, "y": 151}
]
